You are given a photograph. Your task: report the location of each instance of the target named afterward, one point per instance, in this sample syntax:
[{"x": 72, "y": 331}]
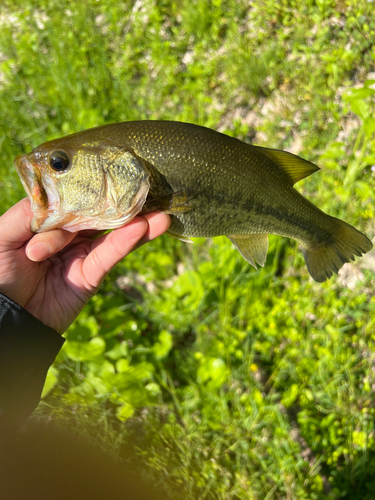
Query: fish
[{"x": 210, "y": 184}]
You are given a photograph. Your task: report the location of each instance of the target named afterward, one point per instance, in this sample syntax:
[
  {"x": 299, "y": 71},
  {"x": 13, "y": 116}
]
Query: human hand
[{"x": 54, "y": 274}]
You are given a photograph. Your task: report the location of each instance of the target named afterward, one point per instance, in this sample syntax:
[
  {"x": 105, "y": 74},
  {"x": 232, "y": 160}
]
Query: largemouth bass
[{"x": 211, "y": 184}]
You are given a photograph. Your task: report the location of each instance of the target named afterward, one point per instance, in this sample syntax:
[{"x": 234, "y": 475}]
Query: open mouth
[{"x": 32, "y": 183}]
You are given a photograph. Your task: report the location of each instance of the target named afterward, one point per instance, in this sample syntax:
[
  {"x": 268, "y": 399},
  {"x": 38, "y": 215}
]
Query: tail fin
[{"x": 329, "y": 256}]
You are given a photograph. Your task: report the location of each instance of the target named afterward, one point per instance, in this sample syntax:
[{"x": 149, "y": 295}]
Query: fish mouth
[{"x": 31, "y": 180}]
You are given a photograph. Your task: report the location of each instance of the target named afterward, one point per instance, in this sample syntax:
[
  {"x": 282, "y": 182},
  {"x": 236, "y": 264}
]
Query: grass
[{"x": 232, "y": 383}]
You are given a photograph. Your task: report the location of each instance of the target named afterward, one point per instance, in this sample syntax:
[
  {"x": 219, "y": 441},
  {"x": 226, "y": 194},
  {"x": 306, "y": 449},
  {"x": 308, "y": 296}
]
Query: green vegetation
[{"x": 234, "y": 383}]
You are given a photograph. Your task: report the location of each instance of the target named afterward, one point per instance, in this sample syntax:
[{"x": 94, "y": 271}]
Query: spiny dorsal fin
[
  {"x": 252, "y": 247},
  {"x": 295, "y": 167}
]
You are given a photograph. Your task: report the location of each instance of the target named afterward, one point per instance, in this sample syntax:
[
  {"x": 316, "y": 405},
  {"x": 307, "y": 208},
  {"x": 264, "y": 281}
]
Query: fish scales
[
  {"x": 234, "y": 183},
  {"x": 210, "y": 183}
]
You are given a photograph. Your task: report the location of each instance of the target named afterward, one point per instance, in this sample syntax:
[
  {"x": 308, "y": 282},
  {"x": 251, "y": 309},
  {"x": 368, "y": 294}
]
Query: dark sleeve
[{"x": 27, "y": 350}]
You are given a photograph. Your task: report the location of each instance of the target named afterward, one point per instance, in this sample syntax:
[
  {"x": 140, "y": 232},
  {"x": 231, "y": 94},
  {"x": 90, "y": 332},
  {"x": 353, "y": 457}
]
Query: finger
[
  {"x": 92, "y": 233},
  {"x": 15, "y": 226},
  {"x": 43, "y": 245},
  {"x": 110, "y": 248},
  {"x": 157, "y": 225}
]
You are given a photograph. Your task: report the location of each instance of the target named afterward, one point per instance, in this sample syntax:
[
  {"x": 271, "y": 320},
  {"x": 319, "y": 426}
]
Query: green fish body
[{"x": 210, "y": 183}]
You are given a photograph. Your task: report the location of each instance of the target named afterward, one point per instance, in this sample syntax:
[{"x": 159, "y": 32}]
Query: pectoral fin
[
  {"x": 173, "y": 203},
  {"x": 252, "y": 247}
]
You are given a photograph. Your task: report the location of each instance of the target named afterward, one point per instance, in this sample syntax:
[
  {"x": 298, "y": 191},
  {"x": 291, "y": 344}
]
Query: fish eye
[{"x": 59, "y": 161}]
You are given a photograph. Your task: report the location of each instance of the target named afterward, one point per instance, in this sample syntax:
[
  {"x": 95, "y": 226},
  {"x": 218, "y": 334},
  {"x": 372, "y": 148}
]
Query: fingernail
[{"x": 39, "y": 251}]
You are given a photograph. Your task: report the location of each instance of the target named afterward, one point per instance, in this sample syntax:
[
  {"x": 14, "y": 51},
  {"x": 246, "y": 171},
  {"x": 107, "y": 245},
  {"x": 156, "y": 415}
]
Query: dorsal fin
[{"x": 295, "y": 167}]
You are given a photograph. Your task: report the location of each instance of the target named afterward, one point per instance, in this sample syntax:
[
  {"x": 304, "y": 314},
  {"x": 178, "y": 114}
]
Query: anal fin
[
  {"x": 252, "y": 247},
  {"x": 173, "y": 203}
]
